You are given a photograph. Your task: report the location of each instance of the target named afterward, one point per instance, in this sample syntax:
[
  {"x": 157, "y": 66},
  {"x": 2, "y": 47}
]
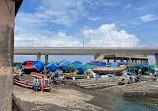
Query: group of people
[
  {"x": 39, "y": 84},
  {"x": 129, "y": 80}
]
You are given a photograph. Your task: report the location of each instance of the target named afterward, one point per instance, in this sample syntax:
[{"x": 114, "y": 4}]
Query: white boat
[{"x": 106, "y": 70}]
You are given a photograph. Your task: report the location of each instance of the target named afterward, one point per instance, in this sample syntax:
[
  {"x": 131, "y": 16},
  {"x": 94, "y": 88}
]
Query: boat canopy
[
  {"x": 73, "y": 67},
  {"x": 37, "y": 64},
  {"x": 97, "y": 63},
  {"x": 52, "y": 67},
  {"x": 80, "y": 70},
  {"x": 77, "y": 62},
  {"x": 63, "y": 63}
]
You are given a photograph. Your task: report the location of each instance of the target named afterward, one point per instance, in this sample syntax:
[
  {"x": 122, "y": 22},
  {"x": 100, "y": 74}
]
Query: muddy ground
[{"x": 67, "y": 98}]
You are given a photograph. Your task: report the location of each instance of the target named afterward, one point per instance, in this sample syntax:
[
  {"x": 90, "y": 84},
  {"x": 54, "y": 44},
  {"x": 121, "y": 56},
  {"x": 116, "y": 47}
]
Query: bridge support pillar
[
  {"x": 129, "y": 60},
  {"x": 132, "y": 61},
  {"x": 156, "y": 57},
  {"x": 96, "y": 56},
  {"x": 6, "y": 53},
  {"x": 46, "y": 59},
  {"x": 38, "y": 57}
]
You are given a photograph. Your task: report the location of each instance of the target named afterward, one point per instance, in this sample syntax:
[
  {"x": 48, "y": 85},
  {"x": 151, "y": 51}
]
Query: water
[{"x": 122, "y": 105}]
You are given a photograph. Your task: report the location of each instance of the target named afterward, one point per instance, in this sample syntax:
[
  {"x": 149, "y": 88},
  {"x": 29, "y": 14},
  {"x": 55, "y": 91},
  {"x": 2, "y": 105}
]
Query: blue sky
[{"x": 102, "y": 23}]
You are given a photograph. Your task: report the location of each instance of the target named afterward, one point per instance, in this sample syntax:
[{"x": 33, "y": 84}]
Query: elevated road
[{"x": 84, "y": 51}]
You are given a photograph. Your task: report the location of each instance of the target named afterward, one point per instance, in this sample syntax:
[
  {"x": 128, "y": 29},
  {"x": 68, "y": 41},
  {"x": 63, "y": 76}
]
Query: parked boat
[
  {"x": 32, "y": 66},
  {"x": 31, "y": 84},
  {"x": 88, "y": 73},
  {"x": 107, "y": 70}
]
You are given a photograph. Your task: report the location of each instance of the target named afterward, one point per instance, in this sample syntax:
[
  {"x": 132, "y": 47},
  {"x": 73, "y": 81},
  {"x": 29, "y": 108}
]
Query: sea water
[{"x": 123, "y": 105}]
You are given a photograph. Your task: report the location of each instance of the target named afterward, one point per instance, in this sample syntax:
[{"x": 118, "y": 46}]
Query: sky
[{"x": 88, "y": 23}]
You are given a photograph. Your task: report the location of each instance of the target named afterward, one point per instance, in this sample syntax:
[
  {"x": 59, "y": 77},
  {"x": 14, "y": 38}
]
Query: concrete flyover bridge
[{"x": 96, "y": 51}]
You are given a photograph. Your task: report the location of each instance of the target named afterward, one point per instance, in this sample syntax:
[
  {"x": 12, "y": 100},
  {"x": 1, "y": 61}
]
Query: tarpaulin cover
[
  {"x": 77, "y": 62},
  {"x": 52, "y": 67},
  {"x": 97, "y": 76},
  {"x": 114, "y": 64},
  {"x": 125, "y": 63},
  {"x": 97, "y": 63},
  {"x": 130, "y": 73},
  {"x": 80, "y": 69},
  {"x": 63, "y": 63},
  {"x": 110, "y": 75},
  {"x": 37, "y": 64}
]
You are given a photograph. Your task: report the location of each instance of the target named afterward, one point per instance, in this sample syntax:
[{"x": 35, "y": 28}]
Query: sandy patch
[{"x": 61, "y": 97}]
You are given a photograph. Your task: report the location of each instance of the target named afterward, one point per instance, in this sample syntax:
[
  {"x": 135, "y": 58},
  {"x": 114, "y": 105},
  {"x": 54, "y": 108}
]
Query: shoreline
[{"x": 73, "y": 97}]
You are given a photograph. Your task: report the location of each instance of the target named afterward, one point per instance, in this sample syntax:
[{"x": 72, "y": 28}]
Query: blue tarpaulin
[
  {"x": 110, "y": 75},
  {"x": 97, "y": 76},
  {"x": 37, "y": 64},
  {"x": 114, "y": 64},
  {"x": 80, "y": 69},
  {"x": 130, "y": 73},
  {"x": 63, "y": 63},
  {"x": 97, "y": 63},
  {"x": 52, "y": 67},
  {"x": 77, "y": 62}
]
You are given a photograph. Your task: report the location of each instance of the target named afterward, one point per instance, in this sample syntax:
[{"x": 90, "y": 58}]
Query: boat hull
[
  {"x": 107, "y": 70},
  {"x": 28, "y": 84},
  {"x": 78, "y": 76},
  {"x": 30, "y": 69}
]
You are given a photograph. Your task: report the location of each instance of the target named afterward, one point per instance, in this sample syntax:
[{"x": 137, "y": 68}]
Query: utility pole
[{"x": 83, "y": 41}]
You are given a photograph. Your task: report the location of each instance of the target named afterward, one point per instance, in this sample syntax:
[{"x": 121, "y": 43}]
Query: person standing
[
  {"x": 42, "y": 84},
  {"x": 36, "y": 86}
]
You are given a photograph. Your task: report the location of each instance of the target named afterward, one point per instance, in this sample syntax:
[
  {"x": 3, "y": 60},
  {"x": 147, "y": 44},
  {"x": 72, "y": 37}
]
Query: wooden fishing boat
[
  {"x": 106, "y": 70},
  {"x": 31, "y": 84},
  {"x": 79, "y": 76}
]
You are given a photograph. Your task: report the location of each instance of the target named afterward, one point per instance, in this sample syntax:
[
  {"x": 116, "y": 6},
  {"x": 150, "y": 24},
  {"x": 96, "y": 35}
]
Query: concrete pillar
[
  {"x": 7, "y": 15},
  {"x": 38, "y": 57},
  {"x": 156, "y": 57},
  {"x": 129, "y": 60},
  {"x": 132, "y": 61},
  {"x": 46, "y": 59},
  {"x": 114, "y": 59}
]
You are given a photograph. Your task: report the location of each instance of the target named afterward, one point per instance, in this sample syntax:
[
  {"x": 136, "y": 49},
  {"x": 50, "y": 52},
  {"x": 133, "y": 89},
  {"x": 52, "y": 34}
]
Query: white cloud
[
  {"x": 127, "y": 6},
  {"x": 94, "y": 3},
  {"x": 107, "y": 36},
  {"x": 149, "y": 17},
  {"x": 94, "y": 18},
  {"x": 56, "y": 40},
  {"x": 64, "y": 12}
]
